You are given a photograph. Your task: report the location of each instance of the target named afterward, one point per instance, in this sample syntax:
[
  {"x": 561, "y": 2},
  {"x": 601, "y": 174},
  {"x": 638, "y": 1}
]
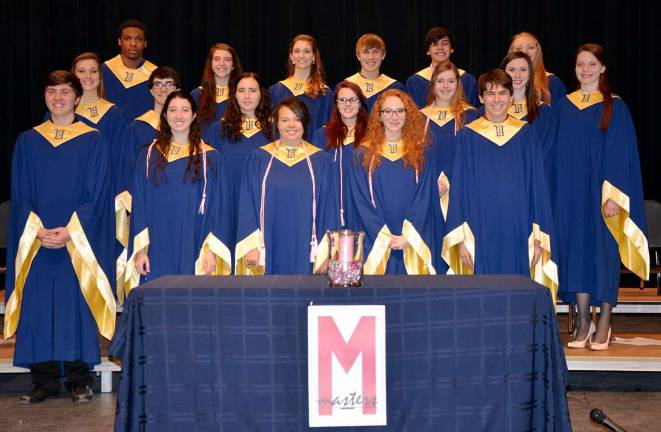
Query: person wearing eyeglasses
[
  {"x": 287, "y": 201},
  {"x": 499, "y": 215},
  {"x": 244, "y": 127},
  {"x": 439, "y": 43},
  {"x": 125, "y": 76},
  {"x": 305, "y": 81},
  {"x": 446, "y": 112},
  {"x": 341, "y": 136},
  {"x": 142, "y": 131},
  {"x": 393, "y": 192},
  {"x": 222, "y": 66},
  {"x": 179, "y": 222},
  {"x": 371, "y": 51}
]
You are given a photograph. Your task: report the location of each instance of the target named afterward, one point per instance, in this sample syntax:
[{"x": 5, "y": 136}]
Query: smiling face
[
  {"x": 440, "y": 51},
  {"x": 370, "y": 59},
  {"x": 526, "y": 44},
  {"x": 348, "y": 104},
  {"x": 248, "y": 95},
  {"x": 161, "y": 89},
  {"x": 445, "y": 86},
  {"x": 289, "y": 126},
  {"x": 222, "y": 64},
  {"x": 588, "y": 70},
  {"x": 302, "y": 54},
  {"x": 61, "y": 100},
  {"x": 393, "y": 115},
  {"x": 496, "y": 100},
  {"x": 132, "y": 43},
  {"x": 179, "y": 115},
  {"x": 519, "y": 71},
  {"x": 89, "y": 75}
]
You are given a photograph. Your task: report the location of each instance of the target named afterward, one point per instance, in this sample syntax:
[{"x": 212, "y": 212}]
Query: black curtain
[{"x": 44, "y": 35}]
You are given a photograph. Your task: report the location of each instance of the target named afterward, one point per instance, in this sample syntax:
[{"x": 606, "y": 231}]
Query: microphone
[{"x": 599, "y": 417}]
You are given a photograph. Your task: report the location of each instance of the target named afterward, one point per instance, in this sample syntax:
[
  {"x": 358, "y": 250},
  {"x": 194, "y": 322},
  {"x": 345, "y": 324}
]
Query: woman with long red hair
[
  {"x": 393, "y": 190},
  {"x": 305, "y": 81},
  {"x": 597, "y": 194}
]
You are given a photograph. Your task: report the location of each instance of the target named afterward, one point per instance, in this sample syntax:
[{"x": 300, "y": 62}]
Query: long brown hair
[
  {"x": 336, "y": 130},
  {"x": 457, "y": 102},
  {"x": 531, "y": 94},
  {"x": 100, "y": 90},
  {"x": 232, "y": 125},
  {"x": 604, "y": 85},
  {"x": 316, "y": 81},
  {"x": 164, "y": 139},
  {"x": 541, "y": 79},
  {"x": 414, "y": 135},
  {"x": 207, "y": 108}
]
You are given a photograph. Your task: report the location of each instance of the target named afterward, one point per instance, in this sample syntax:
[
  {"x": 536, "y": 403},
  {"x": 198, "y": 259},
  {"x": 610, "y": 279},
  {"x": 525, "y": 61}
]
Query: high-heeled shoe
[
  {"x": 595, "y": 346},
  {"x": 584, "y": 342}
]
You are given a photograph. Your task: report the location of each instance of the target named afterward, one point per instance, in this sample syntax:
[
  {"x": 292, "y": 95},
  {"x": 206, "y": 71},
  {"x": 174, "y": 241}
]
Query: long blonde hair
[
  {"x": 457, "y": 102},
  {"x": 414, "y": 135}
]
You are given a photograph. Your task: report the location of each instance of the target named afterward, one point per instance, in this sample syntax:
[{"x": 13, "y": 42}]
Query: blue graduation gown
[
  {"x": 287, "y": 210},
  {"x": 590, "y": 166},
  {"x": 441, "y": 128},
  {"x": 556, "y": 88},
  {"x": 373, "y": 88},
  {"x": 128, "y": 88},
  {"x": 60, "y": 178},
  {"x": 499, "y": 202},
  {"x": 166, "y": 216},
  {"x": 235, "y": 155},
  {"x": 400, "y": 206},
  {"x": 340, "y": 158},
  {"x": 222, "y": 93},
  {"x": 138, "y": 135},
  {"x": 319, "y": 108},
  {"x": 417, "y": 86}
]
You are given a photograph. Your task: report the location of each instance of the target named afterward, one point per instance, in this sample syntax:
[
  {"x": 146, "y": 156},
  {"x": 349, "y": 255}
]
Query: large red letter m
[{"x": 330, "y": 342}]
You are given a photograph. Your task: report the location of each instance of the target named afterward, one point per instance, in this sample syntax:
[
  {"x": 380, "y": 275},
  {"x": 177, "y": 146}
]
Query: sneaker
[
  {"x": 37, "y": 394},
  {"x": 81, "y": 393}
]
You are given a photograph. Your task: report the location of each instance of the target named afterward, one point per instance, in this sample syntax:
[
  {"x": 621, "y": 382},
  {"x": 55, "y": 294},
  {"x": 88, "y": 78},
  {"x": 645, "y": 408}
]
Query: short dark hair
[
  {"x": 163, "y": 72},
  {"x": 132, "y": 23},
  {"x": 435, "y": 34},
  {"x": 58, "y": 77},
  {"x": 495, "y": 77},
  {"x": 298, "y": 108}
]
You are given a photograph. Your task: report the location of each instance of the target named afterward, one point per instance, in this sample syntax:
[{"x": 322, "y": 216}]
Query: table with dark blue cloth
[{"x": 464, "y": 353}]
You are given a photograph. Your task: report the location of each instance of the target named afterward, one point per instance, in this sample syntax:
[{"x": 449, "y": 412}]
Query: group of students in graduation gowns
[{"x": 238, "y": 178}]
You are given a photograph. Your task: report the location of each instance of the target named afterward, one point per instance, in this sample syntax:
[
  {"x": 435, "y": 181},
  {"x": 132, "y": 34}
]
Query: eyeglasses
[
  {"x": 390, "y": 112},
  {"x": 158, "y": 85},
  {"x": 346, "y": 101}
]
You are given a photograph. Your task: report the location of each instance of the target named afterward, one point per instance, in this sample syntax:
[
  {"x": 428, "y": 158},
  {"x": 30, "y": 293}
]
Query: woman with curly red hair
[{"x": 393, "y": 191}]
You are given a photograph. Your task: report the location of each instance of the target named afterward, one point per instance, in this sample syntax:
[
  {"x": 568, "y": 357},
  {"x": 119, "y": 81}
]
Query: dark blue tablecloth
[{"x": 230, "y": 354}]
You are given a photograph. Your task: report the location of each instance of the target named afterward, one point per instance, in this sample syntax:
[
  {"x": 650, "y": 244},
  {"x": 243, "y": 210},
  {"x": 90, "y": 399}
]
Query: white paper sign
[{"x": 347, "y": 365}]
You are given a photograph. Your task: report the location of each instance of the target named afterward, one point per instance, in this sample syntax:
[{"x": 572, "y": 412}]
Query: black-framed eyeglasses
[
  {"x": 390, "y": 112},
  {"x": 161, "y": 85},
  {"x": 345, "y": 101}
]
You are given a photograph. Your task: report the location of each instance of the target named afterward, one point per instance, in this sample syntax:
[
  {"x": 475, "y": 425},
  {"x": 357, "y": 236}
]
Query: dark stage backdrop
[{"x": 44, "y": 35}]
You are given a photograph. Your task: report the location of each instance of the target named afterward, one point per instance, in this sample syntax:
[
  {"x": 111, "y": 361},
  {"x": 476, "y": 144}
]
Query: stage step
[
  {"x": 619, "y": 357},
  {"x": 105, "y": 369}
]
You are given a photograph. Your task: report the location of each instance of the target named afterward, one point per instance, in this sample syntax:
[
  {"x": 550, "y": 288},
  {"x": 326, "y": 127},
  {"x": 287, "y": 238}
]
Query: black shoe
[
  {"x": 38, "y": 394},
  {"x": 81, "y": 393}
]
